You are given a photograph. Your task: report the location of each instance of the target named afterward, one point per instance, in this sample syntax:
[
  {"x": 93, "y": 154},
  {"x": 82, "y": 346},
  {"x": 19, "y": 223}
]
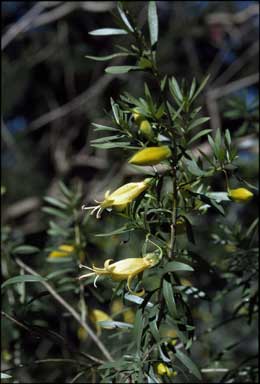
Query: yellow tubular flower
[
  {"x": 146, "y": 129},
  {"x": 240, "y": 195},
  {"x": 124, "y": 269},
  {"x": 121, "y": 197},
  {"x": 151, "y": 155},
  {"x": 62, "y": 251}
]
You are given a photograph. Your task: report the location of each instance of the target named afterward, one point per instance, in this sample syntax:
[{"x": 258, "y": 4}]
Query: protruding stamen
[
  {"x": 84, "y": 266},
  {"x": 95, "y": 281}
]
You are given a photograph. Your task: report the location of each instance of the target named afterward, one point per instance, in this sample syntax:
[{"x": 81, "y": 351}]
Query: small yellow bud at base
[
  {"x": 146, "y": 129},
  {"x": 162, "y": 370},
  {"x": 240, "y": 195},
  {"x": 82, "y": 334}
]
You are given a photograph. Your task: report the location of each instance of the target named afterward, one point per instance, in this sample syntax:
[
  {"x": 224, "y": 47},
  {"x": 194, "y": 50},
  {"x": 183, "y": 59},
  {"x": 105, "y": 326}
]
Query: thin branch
[
  {"x": 72, "y": 105},
  {"x": 214, "y": 370},
  {"x": 233, "y": 86},
  {"x": 14, "y": 320},
  {"x": 70, "y": 309},
  {"x": 238, "y": 64},
  {"x": 21, "y": 25}
]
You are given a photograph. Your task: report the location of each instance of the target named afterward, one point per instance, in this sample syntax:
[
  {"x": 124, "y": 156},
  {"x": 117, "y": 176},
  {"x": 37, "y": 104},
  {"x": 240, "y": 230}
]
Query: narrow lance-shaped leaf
[
  {"x": 199, "y": 121},
  {"x": 198, "y": 135},
  {"x": 25, "y": 249},
  {"x": 188, "y": 363},
  {"x": 169, "y": 298},
  {"x": 153, "y": 22},
  {"x": 202, "y": 85},
  {"x": 174, "y": 266},
  {"x": 108, "y": 57},
  {"x": 119, "y": 69},
  {"x": 124, "y": 17},
  {"x": 22, "y": 279},
  {"x": 108, "y": 32}
]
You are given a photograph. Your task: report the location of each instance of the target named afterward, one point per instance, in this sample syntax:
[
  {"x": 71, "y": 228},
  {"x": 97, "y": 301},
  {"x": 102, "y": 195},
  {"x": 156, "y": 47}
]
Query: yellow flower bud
[
  {"x": 97, "y": 315},
  {"x": 240, "y": 195},
  {"x": 150, "y": 155},
  {"x": 117, "y": 306},
  {"x": 62, "y": 251},
  {"x": 138, "y": 118},
  {"x": 121, "y": 197},
  {"x": 129, "y": 316},
  {"x": 82, "y": 334},
  {"x": 162, "y": 370},
  {"x": 125, "y": 269},
  {"x": 146, "y": 129}
]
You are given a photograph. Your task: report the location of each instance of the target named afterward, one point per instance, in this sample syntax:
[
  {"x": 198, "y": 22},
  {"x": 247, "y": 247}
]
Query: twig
[
  {"x": 230, "y": 18},
  {"x": 14, "y": 320},
  {"x": 69, "y": 107},
  {"x": 70, "y": 309},
  {"x": 213, "y": 370},
  {"x": 213, "y": 94},
  {"x": 34, "y": 18},
  {"x": 233, "y": 86},
  {"x": 21, "y": 25},
  {"x": 237, "y": 64}
]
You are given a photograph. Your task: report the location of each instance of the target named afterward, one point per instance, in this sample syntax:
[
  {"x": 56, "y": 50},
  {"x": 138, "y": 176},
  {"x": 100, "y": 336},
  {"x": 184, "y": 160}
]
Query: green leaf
[
  {"x": 192, "y": 88},
  {"x": 169, "y": 299},
  {"x": 185, "y": 360},
  {"x": 218, "y": 196},
  {"x": 175, "y": 266},
  {"x": 124, "y": 17},
  {"x": 108, "y": 32},
  {"x": 55, "y": 202},
  {"x": 116, "y": 111},
  {"x": 100, "y": 127},
  {"x": 193, "y": 168},
  {"x": 54, "y": 274},
  {"x": 119, "y": 69},
  {"x": 23, "y": 279},
  {"x": 138, "y": 328},
  {"x": 175, "y": 89},
  {"x": 66, "y": 192},
  {"x": 198, "y": 135},
  {"x": 114, "y": 324},
  {"x": 55, "y": 212},
  {"x": 212, "y": 144},
  {"x": 154, "y": 329},
  {"x": 25, "y": 249},
  {"x": 151, "y": 283},
  {"x": 136, "y": 299},
  {"x": 197, "y": 122},
  {"x": 122, "y": 144},
  {"x": 153, "y": 22},
  {"x": 202, "y": 85},
  {"x": 227, "y": 138},
  {"x": 108, "y": 57}
]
